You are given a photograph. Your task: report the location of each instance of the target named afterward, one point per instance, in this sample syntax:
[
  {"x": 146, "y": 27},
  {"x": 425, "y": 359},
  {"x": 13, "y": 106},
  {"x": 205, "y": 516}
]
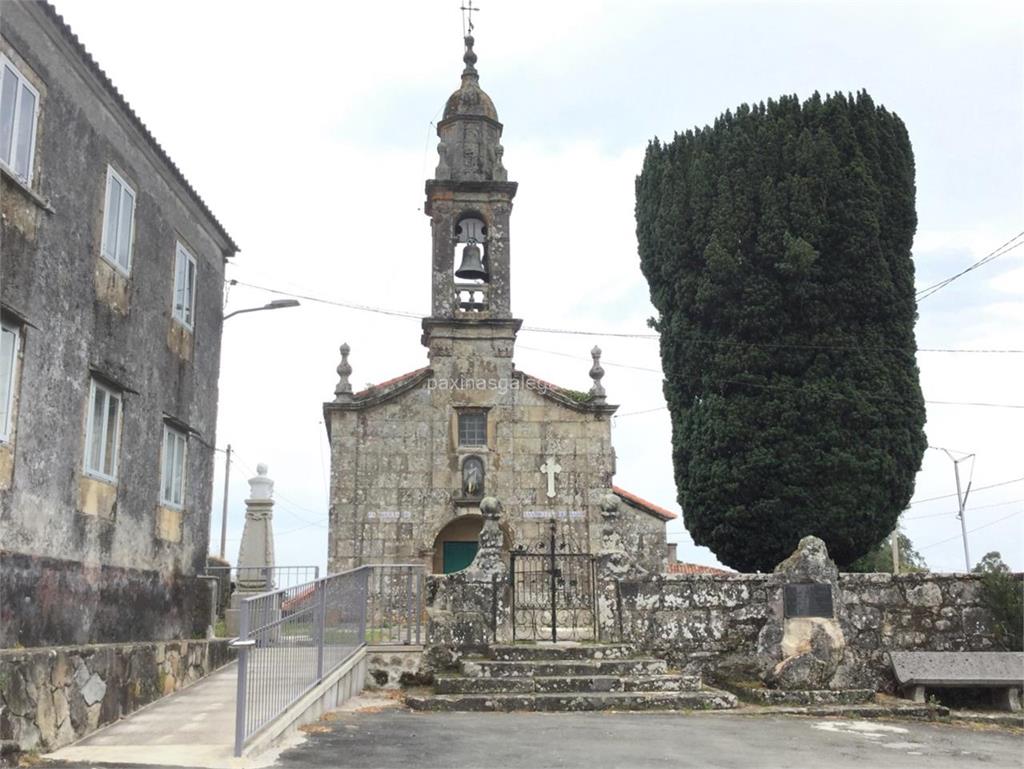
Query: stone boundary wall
[
  {"x": 711, "y": 624},
  {"x": 50, "y": 697}
]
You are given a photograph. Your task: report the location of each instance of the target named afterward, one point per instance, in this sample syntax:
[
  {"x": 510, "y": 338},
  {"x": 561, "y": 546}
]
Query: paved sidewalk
[{"x": 193, "y": 727}]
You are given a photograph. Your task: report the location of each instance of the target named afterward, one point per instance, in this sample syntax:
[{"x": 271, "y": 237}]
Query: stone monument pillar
[
  {"x": 802, "y": 641},
  {"x": 256, "y": 552}
]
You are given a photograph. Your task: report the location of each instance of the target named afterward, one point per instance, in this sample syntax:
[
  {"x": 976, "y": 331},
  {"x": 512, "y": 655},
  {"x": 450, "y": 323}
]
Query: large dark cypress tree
[{"x": 776, "y": 244}]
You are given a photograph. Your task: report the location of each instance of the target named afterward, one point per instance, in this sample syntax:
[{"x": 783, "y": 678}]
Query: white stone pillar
[{"x": 256, "y": 552}]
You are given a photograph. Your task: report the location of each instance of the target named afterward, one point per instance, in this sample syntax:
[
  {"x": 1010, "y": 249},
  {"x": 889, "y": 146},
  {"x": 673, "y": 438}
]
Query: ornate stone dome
[{"x": 470, "y": 99}]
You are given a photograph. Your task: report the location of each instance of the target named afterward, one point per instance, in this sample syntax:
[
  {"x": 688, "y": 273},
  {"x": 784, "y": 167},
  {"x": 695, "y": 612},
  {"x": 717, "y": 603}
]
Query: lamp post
[{"x": 277, "y": 304}]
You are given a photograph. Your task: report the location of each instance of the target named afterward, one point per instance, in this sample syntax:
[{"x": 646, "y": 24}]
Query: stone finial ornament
[
  {"x": 260, "y": 486},
  {"x": 597, "y": 393},
  {"x": 488, "y": 562},
  {"x": 343, "y": 391},
  {"x": 469, "y": 57}
]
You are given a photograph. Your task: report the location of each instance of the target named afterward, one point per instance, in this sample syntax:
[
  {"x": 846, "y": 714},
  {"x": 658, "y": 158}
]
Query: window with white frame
[
  {"x": 102, "y": 431},
  {"x": 9, "y": 339},
  {"x": 184, "y": 286},
  {"x": 172, "y": 482},
  {"x": 19, "y": 106},
  {"x": 118, "y": 220}
]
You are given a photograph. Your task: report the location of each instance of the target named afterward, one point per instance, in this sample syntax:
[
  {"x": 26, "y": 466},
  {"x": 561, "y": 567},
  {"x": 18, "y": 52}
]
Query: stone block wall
[
  {"x": 711, "y": 623},
  {"x": 52, "y": 697}
]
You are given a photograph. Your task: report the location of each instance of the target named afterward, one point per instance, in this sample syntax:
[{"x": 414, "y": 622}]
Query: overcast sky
[{"x": 307, "y": 127}]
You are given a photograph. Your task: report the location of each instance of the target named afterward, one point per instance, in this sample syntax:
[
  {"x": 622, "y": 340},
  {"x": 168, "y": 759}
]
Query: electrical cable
[
  {"x": 971, "y": 531},
  {"x": 621, "y": 335}
]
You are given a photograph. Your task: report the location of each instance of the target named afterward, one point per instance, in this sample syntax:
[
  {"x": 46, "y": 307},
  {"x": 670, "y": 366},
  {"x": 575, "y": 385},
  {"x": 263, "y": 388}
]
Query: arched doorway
[{"x": 456, "y": 544}]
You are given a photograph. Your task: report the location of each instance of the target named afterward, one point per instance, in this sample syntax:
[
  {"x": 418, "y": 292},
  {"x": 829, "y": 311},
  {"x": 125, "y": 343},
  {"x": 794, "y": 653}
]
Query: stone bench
[{"x": 1002, "y": 671}]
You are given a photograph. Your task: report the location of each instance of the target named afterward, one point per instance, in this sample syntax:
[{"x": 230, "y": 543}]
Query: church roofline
[
  {"x": 574, "y": 399},
  {"x": 379, "y": 393},
  {"x": 644, "y": 505}
]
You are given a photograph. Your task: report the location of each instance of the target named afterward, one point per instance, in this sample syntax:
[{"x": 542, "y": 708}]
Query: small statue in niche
[{"x": 473, "y": 477}]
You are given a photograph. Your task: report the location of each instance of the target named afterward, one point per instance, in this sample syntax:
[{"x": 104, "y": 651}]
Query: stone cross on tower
[{"x": 551, "y": 467}]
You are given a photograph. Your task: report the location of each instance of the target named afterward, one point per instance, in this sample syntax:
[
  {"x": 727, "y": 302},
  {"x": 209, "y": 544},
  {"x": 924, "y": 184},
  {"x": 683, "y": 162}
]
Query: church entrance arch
[{"x": 456, "y": 544}]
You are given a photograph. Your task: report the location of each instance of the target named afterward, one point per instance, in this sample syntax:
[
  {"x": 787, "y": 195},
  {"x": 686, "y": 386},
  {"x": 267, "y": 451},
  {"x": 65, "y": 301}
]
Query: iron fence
[
  {"x": 257, "y": 578},
  {"x": 396, "y": 610},
  {"x": 292, "y": 638}
]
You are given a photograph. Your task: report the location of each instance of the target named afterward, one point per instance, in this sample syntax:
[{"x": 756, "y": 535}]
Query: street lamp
[{"x": 277, "y": 304}]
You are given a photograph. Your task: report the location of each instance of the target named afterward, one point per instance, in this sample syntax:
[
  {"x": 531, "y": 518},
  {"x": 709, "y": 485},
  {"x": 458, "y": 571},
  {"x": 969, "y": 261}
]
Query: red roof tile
[{"x": 650, "y": 507}]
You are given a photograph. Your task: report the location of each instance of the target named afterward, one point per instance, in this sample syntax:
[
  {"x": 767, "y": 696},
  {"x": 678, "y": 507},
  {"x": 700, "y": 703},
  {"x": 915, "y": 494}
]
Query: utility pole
[
  {"x": 895, "y": 541},
  {"x": 224, "y": 513},
  {"x": 962, "y": 499}
]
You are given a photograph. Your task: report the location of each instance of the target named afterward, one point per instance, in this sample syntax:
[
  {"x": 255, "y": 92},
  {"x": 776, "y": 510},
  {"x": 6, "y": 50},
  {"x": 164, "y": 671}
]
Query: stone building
[
  {"x": 411, "y": 458},
  {"x": 111, "y": 292}
]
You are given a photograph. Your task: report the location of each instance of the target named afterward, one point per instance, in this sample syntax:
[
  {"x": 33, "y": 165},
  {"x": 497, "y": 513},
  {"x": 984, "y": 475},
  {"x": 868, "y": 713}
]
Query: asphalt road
[{"x": 399, "y": 739}]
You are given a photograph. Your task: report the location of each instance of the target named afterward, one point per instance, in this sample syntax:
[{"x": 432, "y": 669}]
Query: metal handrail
[{"x": 291, "y": 639}]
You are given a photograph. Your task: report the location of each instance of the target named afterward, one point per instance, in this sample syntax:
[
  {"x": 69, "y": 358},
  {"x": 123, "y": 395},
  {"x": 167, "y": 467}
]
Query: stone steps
[
  {"x": 567, "y": 677},
  {"x": 559, "y": 651},
  {"x": 565, "y": 684},
  {"x": 705, "y": 699},
  {"x": 485, "y": 668}
]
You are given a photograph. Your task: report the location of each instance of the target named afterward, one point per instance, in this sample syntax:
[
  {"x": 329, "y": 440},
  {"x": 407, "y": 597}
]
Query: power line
[
  {"x": 623, "y": 335},
  {"x": 957, "y": 512},
  {"x": 1005, "y": 248},
  {"x": 971, "y": 531},
  {"x": 979, "y": 488}
]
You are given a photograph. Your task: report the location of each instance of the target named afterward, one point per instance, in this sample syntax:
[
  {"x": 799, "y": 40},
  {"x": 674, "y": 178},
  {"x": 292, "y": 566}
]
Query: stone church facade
[{"x": 411, "y": 458}]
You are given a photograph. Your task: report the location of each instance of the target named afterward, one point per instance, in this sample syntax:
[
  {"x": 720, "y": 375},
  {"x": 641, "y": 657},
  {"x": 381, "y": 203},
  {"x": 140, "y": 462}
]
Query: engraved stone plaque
[{"x": 808, "y": 600}]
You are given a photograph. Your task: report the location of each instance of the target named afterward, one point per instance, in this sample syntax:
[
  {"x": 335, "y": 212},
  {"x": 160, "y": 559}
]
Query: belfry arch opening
[
  {"x": 456, "y": 544},
  {"x": 471, "y": 262}
]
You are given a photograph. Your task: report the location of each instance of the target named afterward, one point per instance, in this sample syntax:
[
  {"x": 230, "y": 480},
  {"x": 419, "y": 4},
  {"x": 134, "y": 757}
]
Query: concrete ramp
[{"x": 195, "y": 727}]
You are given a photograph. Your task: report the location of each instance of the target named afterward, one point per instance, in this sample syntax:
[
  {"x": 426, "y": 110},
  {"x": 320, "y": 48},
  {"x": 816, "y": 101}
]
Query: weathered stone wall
[
  {"x": 712, "y": 623},
  {"x": 79, "y": 317},
  {"x": 465, "y": 615},
  {"x": 393, "y": 667},
  {"x": 52, "y": 697}
]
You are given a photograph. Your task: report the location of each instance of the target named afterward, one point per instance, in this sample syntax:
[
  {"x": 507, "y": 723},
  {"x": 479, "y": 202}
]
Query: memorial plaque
[{"x": 808, "y": 600}]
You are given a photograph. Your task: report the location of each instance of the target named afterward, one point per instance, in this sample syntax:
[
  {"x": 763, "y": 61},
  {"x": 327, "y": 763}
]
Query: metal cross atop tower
[{"x": 467, "y": 18}]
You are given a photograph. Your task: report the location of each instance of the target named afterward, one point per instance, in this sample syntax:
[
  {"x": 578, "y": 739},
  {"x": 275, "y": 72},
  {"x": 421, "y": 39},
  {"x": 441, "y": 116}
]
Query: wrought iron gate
[{"x": 553, "y": 593}]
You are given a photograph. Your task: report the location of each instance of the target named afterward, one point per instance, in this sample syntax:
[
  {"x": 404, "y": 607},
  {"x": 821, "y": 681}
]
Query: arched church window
[{"x": 473, "y": 477}]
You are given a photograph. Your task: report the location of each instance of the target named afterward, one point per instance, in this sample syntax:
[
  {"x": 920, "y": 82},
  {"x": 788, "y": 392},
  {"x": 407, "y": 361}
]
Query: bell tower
[{"x": 469, "y": 202}]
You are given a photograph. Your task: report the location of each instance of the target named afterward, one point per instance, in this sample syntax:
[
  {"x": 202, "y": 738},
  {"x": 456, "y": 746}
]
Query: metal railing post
[
  {"x": 321, "y": 626},
  {"x": 243, "y": 644},
  {"x": 364, "y": 603},
  {"x": 408, "y": 605},
  {"x": 419, "y": 604}
]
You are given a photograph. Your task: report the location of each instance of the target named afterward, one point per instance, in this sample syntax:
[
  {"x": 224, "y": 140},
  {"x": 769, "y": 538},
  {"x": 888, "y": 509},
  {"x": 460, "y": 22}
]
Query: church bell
[{"x": 471, "y": 268}]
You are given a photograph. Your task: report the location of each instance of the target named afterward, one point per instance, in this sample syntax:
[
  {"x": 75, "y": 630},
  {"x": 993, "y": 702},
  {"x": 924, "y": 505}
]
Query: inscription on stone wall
[
  {"x": 807, "y": 600},
  {"x": 560, "y": 514},
  {"x": 389, "y": 515}
]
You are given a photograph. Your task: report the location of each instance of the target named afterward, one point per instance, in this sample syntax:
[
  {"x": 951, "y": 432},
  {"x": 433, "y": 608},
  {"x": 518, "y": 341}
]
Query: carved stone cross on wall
[{"x": 551, "y": 467}]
